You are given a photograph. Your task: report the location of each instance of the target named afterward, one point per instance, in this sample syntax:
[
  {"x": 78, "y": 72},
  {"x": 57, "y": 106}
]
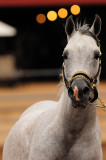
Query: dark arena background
[{"x": 31, "y": 55}]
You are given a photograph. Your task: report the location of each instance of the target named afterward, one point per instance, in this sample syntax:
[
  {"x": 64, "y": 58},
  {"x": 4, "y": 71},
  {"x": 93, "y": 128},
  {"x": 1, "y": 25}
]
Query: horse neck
[{"x": 75, "y": 119}]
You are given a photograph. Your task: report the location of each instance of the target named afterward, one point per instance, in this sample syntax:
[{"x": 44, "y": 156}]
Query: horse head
[{"x": 82, "y": 63}]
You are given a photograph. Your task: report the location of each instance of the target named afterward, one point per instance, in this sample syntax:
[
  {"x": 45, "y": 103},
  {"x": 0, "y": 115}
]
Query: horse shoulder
[{"x": 17, "y": 144}]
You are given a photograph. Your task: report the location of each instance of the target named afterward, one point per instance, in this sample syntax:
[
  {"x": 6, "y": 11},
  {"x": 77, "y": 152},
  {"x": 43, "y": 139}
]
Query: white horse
[{"x": 67, "y": 129}]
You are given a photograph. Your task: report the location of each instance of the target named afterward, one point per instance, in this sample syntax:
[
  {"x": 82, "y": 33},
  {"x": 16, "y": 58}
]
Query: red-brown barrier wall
[{"x": 4, "y": 3}]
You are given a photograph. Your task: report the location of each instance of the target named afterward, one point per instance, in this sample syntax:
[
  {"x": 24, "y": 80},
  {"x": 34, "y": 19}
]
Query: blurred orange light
[
  {"x": 62, "y": 13},
  {"x": 52, "y": 15},
  {"x": 75, "y": 9},
  {"x": 41, "y": 18}
]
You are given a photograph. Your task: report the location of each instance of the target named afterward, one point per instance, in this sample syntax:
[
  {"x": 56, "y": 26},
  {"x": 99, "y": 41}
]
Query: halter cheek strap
[{"x": 91, "y": 81}]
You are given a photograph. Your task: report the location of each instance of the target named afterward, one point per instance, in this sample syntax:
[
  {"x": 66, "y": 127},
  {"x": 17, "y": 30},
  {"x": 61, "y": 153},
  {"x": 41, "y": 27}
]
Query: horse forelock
[{"x": 85, "y": 29}]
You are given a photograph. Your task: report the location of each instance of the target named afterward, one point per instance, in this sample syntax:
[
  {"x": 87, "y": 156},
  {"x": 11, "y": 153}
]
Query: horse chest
[
  {"x": 85, "y": 150},
  {"x": 81, "y": 153}
]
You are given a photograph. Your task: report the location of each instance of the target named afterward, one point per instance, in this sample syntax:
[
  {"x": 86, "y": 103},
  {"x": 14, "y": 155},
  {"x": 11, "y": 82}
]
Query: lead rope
[{"x": 103, "y": 104}]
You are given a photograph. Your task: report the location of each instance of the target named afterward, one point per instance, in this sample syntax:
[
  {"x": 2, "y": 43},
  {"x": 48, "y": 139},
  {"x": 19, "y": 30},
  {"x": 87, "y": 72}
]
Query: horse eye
[
  {"x": 97, "y": 55},
  {"x": 65, "y": 55}
]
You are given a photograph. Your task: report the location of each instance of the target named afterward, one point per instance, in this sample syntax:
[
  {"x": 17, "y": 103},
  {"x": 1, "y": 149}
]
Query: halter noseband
[{"x": 91, "y": 81}]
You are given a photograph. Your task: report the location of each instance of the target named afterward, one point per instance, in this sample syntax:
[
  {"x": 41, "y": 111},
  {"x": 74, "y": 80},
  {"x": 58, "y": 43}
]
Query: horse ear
[
  {"x": 96, "y": 27},
  {"x": 70, "y": 26}
]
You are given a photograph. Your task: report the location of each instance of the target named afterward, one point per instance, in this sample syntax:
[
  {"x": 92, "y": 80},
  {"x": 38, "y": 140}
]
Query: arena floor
[{"x": 13, "y": 101}]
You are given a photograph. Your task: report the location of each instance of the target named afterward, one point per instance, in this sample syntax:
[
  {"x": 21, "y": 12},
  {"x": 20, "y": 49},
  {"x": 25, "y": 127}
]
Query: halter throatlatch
[{"x": 91, "y": 81}]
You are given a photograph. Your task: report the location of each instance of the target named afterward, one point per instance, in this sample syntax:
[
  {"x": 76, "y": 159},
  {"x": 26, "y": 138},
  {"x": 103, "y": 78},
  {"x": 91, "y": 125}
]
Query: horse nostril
[
  {"x": 70, "y": 92},
  {"x": 86, "y": 90}
]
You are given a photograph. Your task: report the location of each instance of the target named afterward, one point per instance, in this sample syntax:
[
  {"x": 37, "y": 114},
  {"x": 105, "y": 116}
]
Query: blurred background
[{"x": 32, "y": 39}]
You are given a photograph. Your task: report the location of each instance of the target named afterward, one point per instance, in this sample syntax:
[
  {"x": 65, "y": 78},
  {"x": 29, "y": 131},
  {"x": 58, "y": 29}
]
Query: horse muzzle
[
  {"x": 80, "y": 85},
  {"x": 79, "y": 92}
]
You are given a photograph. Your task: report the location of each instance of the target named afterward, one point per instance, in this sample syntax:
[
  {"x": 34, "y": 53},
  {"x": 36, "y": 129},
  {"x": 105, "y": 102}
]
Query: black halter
[{"x": 91, "y": 81}]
